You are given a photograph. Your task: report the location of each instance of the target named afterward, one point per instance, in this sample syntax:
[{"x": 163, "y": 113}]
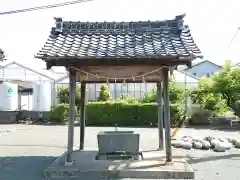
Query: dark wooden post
[
  {"x": 167, "y": 118},
  {"x": 160, "y": 116},
  {"x": 82, "y": 114},
  {"x": 71, "y": 114}
]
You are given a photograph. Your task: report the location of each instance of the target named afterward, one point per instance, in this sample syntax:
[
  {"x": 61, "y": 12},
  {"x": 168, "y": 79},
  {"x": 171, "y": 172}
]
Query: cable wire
[
  {"x": 233, "y": 38},
  {"x": 43, "y": 7}
]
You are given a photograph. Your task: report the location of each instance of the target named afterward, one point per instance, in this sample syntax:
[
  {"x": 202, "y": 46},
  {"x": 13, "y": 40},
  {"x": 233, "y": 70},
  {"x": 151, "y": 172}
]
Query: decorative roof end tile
[
  {"x": 59, "y": 24},
  {"x": 180, "y": 21},
  {"x": 180, "y": 17}
]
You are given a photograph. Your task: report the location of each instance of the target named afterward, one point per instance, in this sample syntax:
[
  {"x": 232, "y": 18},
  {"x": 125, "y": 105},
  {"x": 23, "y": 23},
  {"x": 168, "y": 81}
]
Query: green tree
[
  {"x": 104, "y": 94},
  {"x": 227, "y": 82},
  {"x": 63, "y": 95},
  {"x": 176, "y": 93},
  {"x": 200, "y": 93},
  {"x": 150, "y": 96},
  {"x": 207, "y": 98}
]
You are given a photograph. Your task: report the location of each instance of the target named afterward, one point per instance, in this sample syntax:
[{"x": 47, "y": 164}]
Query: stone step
[
  {"x": 86, "y": 167},
  {"x": 76, "y": 174},
  {"x": 80, "y": 175},
  {"x": 106, "y": 178},
  {"x": 72, "y": 174}
]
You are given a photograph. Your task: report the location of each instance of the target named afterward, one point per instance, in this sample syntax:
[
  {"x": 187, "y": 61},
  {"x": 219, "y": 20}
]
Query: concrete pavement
[{"x": 26, "y": 150}]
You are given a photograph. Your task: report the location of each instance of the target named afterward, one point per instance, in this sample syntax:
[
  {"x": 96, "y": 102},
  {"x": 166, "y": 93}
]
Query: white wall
[{"x": 182, "y": 77}]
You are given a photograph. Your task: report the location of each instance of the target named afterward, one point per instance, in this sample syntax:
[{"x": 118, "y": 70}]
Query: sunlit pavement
[{"x": 26, "y": 150}]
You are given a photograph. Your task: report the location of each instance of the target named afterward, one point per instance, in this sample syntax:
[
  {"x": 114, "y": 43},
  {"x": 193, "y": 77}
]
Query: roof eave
[
  {"x": 164, "y": 60},
  {"x": 55, "y": 58}
]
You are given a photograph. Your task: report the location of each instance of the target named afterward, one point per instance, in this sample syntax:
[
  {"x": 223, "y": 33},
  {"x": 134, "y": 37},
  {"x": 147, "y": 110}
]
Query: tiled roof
[
  {"x": 2, "y": 55},
  {"x": 143, "y": 39}
]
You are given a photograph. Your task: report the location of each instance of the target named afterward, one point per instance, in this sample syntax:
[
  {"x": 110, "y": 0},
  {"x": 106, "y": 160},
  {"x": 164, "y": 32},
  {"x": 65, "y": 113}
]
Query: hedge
[
  {"x": 122, "y": 114},
  {"x": 59, "y": 113}
]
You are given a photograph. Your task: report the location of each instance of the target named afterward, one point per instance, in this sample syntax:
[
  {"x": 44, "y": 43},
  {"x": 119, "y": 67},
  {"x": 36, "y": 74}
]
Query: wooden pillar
[
  {"x": 167, "y": 118},
  {"x": 54, "y": 94},
  {"x": 160, "y": 116},
  {"x": 71, "y": 113},
  {"x": 82, "y": 115}
]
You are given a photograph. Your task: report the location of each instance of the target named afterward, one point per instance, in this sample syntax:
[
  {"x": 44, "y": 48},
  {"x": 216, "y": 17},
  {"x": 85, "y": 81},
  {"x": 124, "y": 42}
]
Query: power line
[
  {"x": 233, "y": 38},
  {"x": 43, "y": 7}
]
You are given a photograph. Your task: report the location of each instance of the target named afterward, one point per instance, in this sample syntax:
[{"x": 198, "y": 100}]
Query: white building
[
  {"x": 133, "y": 89},
  {"x": 204, "y": 68},
  {"x": 26, "y": 78}
]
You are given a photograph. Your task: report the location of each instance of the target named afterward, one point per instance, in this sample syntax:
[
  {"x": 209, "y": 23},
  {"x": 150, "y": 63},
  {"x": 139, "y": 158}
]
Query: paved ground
[{"x": 25, "y": 150}]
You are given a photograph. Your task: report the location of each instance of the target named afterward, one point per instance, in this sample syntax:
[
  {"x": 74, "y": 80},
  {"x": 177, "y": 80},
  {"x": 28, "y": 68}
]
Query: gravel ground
[{"x": 26, "y": 150}]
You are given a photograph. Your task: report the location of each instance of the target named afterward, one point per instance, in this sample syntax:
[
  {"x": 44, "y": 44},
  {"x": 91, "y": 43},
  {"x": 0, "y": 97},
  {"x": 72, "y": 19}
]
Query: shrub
[
  {"x": 210, "y": 101},
  {"x": 104, "y": 94},
  {"x": 118, "y": 112},
  {"x": 237, "y": 108},
  {"x": 125, "y": 98},
  {"x": 176, "y": 92},
  {"x": 208, "y": 98},
  {"x": 63, "y": 95},
  {"x": 150, "y": 96},
  {"x": 215, "y": 104},
  {"x": 200, "y": 116},
  {"x": 177, "y": 114},
  {"x": 124, "y": 114},
  {"x": 59, "y": 113}
]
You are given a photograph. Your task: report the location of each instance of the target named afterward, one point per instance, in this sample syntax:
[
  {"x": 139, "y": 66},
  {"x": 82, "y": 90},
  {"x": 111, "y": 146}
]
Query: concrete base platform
[{"x": 152, "y": 166}]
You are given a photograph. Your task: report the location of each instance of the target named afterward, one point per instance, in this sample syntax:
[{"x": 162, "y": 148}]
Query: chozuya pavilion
[{"x": 115, "y": 52}]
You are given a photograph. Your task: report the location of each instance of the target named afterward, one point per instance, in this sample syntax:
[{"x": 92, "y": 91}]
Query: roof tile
[{"x": 143, "y": 39}]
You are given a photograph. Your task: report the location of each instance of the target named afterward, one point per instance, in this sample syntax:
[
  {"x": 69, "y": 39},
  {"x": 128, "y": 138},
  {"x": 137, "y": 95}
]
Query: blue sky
[{"x": 212, "y": 23}]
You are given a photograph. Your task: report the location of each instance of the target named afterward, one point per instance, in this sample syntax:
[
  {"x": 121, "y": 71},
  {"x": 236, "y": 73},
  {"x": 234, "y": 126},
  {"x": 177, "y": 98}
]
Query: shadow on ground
[
  {"x": 24, "y": 167},
  {"x": 195, "y": 160}
]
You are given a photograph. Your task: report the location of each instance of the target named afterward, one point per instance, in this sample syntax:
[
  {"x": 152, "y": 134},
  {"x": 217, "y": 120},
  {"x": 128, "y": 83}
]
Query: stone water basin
[{"x": 118, "y": 141}]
